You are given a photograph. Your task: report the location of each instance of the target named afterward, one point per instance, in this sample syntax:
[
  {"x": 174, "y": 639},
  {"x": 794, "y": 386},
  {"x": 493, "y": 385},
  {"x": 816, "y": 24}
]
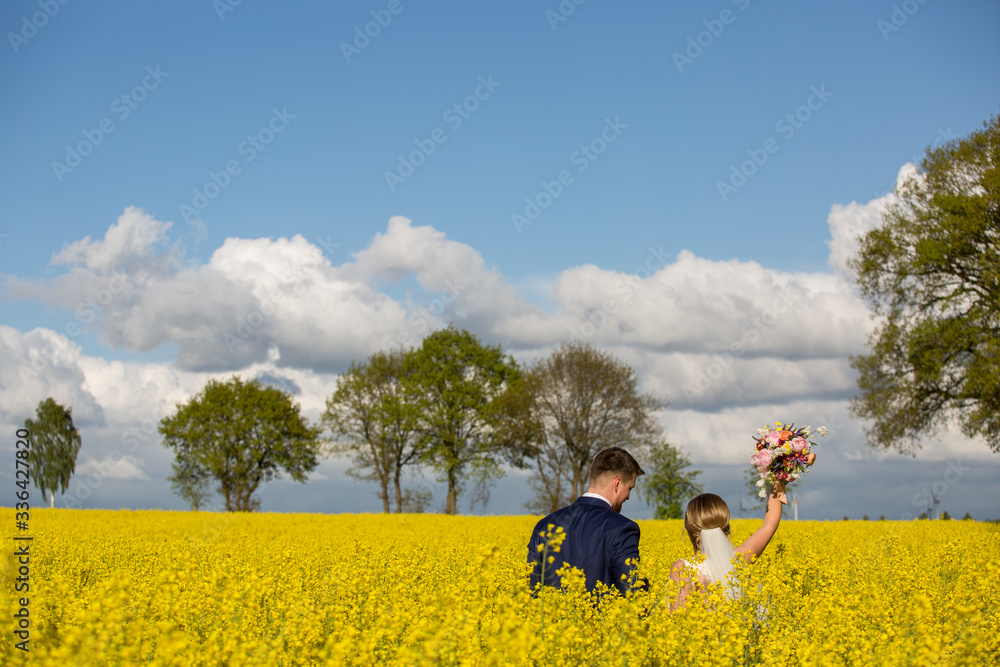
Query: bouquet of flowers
[{"x": 782, "y": 453}]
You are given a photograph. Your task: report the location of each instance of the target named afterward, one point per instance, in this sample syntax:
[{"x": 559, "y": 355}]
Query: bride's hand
[{"x": 778, "y": 492}]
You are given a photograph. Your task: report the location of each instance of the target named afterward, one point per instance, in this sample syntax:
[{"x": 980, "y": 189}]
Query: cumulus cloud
[
  {"x": 39, "y": 364},
  {"x": 126, "y": 468},
  {"x": 127, "y": 242},
  {"x": 694, "y": 305}
]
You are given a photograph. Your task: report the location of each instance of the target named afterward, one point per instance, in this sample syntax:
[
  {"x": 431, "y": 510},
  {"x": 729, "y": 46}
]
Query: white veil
[{"x": 718, "y": 552}]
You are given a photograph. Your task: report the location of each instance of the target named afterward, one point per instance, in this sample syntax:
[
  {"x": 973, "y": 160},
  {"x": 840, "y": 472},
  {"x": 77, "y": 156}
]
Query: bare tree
[
  {"x": 580, "y": 401},
  {"x": 375, "y": 422}
]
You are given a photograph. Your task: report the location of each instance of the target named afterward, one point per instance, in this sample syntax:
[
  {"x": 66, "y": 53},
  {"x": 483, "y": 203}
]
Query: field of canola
[{"x": 180, "y": 588}]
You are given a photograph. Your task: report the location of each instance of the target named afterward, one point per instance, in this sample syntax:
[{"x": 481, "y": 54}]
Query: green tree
[
  {"x": 667, "y": 482},
  {"x": 55, "y": 443},
  {"x": 932, "y": 274},
  {"x": 458, "y": 385},
  {"x": 376, "y": 421},
  {"x": 240, "y": 434},
  {"x": 576, "y": 402}
]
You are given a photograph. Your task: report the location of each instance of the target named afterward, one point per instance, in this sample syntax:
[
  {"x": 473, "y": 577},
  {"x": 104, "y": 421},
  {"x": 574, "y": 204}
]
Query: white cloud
[
  {"x": 130, "y": 239},
  {"x": 39, "y": 364},
  {"x": 126, "y": 468}
]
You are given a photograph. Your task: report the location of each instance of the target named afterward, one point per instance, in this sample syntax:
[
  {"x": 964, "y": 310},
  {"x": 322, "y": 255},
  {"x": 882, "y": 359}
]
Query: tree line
[{"x": 454, "y": 406}]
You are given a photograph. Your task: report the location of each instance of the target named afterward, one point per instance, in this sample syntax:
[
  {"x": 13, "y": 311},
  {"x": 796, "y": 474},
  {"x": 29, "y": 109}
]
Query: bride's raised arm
[{"x": 756, "y": 543}]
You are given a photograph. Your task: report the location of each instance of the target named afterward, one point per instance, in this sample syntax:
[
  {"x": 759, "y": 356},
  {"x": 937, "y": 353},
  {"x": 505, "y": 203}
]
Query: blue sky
[{"x": 643, "y": 110}]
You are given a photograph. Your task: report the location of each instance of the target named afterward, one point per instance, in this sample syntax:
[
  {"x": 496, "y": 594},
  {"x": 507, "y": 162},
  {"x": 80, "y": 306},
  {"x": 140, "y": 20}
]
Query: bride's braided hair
[{"x": 703, "y": 512}]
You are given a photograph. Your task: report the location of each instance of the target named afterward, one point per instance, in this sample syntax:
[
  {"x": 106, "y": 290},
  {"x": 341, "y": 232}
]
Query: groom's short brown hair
[{"x": 614, "y": 460}]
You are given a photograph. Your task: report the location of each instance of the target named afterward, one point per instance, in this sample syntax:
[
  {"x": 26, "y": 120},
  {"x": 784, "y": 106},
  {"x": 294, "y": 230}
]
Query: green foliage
[
  {"x": 932, "y": 273},
  {"x": 574, "y": 403},
  {"x": 375, "y": 420},
  {"x": 666, "y": 483},
  {"x": 55, "y": 443},
  {"x": 459, "y": 386},
  {"x": 240, "y": 434}
]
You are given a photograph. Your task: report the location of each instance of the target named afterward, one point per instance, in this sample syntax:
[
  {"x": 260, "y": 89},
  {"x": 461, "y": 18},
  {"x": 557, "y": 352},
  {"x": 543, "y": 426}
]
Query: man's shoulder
[{"x": 592, "y": 508}]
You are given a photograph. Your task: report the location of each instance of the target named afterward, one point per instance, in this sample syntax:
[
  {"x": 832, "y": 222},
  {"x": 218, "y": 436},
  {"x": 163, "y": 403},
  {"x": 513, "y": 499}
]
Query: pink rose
[
  {"x": 773, "y": 437},
  {"x": 764, "y": 458},
  {"x": 799, "y": 444}
]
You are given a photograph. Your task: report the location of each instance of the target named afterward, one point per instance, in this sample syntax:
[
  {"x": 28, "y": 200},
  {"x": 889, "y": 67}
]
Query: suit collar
[
  {"x": 596, "y": 502},
  {"x": 597, "y": 496}
]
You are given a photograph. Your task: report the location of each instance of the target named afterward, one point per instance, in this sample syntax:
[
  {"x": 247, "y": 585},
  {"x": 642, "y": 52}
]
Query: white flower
[
  {"x": 761, "y": 432},
  {"x": 762, "y": 493},
  {"x": 760, "y": 482},
  {"x": 822, "y": 431}
]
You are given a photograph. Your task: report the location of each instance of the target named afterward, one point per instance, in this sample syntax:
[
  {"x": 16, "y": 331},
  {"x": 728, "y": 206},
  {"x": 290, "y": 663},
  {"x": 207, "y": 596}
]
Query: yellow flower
[{"x": 184, "y": 588}]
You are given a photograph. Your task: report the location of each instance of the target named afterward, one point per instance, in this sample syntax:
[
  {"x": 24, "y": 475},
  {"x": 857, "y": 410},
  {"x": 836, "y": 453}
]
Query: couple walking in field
[{"x": 604, "y": 545}]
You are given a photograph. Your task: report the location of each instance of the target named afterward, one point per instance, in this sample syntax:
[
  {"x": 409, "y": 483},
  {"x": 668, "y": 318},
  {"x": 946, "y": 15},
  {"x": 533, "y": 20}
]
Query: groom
[{"x": 598, "y": 539}]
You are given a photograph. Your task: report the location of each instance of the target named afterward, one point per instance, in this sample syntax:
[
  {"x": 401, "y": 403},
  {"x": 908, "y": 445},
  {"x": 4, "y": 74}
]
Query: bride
[{"x": 707, "y": 523}]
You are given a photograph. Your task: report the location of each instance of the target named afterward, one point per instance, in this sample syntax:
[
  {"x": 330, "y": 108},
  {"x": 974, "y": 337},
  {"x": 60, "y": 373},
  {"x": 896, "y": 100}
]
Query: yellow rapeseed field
[{"x": 183, "y": 588}]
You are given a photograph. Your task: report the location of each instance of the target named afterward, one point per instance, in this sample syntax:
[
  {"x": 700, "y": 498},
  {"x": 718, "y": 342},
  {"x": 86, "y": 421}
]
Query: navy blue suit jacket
[{"x": 598, "y": 541}]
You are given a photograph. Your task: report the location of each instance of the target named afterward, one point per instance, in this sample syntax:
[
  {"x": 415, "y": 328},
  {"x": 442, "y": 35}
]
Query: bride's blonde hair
[{"x": 703, "y": 512}]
